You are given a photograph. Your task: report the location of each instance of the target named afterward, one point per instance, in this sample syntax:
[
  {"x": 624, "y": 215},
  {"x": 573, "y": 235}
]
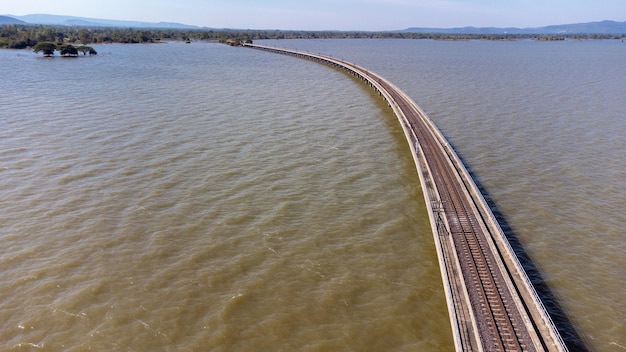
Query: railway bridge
[{"x": 491, "y": 302}]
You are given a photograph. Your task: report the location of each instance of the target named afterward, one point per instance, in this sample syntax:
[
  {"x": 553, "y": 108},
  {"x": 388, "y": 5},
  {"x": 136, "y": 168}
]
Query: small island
[{"x": 66, "y": 50}]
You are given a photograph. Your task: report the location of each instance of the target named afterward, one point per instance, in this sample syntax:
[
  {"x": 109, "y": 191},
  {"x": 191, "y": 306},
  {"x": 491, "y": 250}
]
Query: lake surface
[{"x": 202, "y": 197}]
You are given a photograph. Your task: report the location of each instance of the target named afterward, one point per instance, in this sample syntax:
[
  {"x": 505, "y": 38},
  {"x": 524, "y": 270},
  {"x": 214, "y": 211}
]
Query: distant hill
[
  {"x": 94, "y": 22},
  {"x": 602, "y": 27},
  {"x": 10, "y": 20}
]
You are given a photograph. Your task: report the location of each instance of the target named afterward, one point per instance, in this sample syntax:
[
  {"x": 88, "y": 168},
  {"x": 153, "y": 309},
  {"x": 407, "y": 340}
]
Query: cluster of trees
[
  {"x": 25, "y": 36},
  {"x": 235, "y": 41},
  {"x": 67, "y": 50}
]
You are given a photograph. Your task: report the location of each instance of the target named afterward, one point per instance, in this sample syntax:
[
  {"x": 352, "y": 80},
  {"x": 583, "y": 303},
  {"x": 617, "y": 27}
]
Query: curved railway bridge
[{"x": 492, "y": 303}]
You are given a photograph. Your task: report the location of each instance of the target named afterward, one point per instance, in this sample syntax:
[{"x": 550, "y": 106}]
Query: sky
[{"x": 367, "y": 15}]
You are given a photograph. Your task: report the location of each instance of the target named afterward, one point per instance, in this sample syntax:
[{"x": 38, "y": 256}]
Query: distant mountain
[
  {"x": 10, "y": 20},
  {"x": 602, "y": 27},
  {"x": 94, "y": 22}
]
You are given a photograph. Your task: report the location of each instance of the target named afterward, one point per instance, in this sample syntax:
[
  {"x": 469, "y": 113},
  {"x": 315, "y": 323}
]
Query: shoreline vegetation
[{"x": 17, "y": 36}]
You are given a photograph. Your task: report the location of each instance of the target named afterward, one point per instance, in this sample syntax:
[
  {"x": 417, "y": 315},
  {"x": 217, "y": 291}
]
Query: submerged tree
[
  {"x": 68, "y": 50},
  {"x": 86, "y": 49},
  {"x": 47, "y": 48}
]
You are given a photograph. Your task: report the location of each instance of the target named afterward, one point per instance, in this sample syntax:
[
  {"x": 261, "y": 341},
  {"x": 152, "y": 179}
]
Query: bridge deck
[{"x": 492, "y": 304}]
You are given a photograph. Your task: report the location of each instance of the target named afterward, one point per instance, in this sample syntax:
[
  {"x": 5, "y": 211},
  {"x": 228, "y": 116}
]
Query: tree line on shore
[{"x": 27, "y": 36}]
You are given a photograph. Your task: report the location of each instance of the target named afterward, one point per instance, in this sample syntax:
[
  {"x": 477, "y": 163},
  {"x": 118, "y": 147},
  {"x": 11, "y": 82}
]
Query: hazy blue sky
[{"x": 332, "y": 14}]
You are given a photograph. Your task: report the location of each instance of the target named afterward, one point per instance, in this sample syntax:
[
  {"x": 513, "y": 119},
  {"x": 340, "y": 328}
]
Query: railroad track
[
  {"x": 494, "y": 309},
  {"x": 493, "y": 304}
]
